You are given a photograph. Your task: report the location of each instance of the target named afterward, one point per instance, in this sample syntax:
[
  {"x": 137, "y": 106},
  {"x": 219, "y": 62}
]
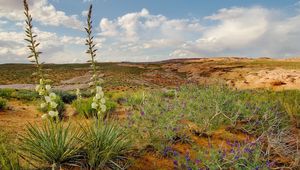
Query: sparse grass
[
  {"x": 160, "y": 119},
  {"x": 3, "y": 103}
]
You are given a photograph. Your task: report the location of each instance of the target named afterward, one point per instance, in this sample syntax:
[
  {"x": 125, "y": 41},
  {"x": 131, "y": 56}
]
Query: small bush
[
  {"x": 51, "y": 145},
  {"x": 6, "y": 93},
  {"x": 110, "y": 106},
  {"x": 84, "y": 107},
  {"x": 249, "y": 156},
  {"x": 66, "y": 97},
  {"x": 106, "y": 146},
  {"x": 19, "y": 94},
  {"x": 3, "y": 103},
  {"x": 27, "y": 95}
]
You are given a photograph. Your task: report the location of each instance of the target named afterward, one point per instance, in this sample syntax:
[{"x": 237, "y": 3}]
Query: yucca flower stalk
[
  {"x": 98, "y": 100},
  {"x": 43, "y": 88}
]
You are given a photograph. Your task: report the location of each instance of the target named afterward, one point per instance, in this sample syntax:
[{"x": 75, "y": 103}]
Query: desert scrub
[
  {"x": 155, "y": 124},
  {"x": 19, "y": 94},
  {"x": 240, "y": 156},
  {"x": 44, "y": 89},
  {"x": 290, "y": 100},
  {"x": 98, "y": 99},
  {"x": 51, "y": 145},
  {"x": 106, "y": 145},
  {"x": 3, "y": 103},
  {"x": 84, "y": 107},
  {"x": 6, "y": 93},
  {"x": 66, "y": 97},
  {"x": 159, "y": 120},
  {"x": 9, "y": 159}
]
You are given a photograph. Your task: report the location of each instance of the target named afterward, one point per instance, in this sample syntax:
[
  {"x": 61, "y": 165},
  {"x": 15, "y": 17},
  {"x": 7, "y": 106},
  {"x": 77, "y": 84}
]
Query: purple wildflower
[{"x": 175, "y": 162}]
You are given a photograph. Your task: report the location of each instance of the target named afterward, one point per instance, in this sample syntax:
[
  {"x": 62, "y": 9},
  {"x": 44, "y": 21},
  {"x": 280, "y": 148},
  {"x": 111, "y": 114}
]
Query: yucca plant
[
  {"x": 9, "y": 159},
  {"x": 99, "y": 100},
  {"x": 106, "y": 146},
  {"x": 51, "y": 145},
  {"x": 44, "y": 89}
]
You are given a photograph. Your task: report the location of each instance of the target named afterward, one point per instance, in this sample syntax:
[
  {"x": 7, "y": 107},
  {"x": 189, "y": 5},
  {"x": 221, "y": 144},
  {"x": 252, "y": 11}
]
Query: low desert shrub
[
  {"x": 3, "y": 103},
  {"x": 155, "y": 123},
  {"x": 26, "y": 95},
  {"x": 84, "y": 107},
  {"x": 66, "y": 97},
  {"x": 106, "y": 145},
  {"x": 6, "y": 93},
  {"x": 51, "y": 145},
  {"x": 240, "y": 156},
  {"x": 19, "y": 94}
]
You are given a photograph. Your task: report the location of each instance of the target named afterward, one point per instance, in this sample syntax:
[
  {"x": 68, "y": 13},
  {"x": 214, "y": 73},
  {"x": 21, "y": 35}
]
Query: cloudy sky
[{"x": 151, "y": 30}]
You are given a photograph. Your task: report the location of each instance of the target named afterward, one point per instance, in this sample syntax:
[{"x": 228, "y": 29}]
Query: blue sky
[{"x": 151, "y": 30}]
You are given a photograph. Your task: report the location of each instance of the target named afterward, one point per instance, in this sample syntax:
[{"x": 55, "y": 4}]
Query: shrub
[
  {"x": 3, "y": 103},
  {"x": 84, "y": 107},
  {"x": 66, "y": 97},
  {"x": 110, "y": 106},
  {"x": 51, "y": 145},
  {"x": 106, "y": 146},
  {"x": 240, "y": 156},
  {"x": 6, "y": 93},
  {"x": 19, "y": 94},
  {"x": 155, "y": 123},
  {"x": 8, "y": 157},
  {"x": 27, "y": 95}
]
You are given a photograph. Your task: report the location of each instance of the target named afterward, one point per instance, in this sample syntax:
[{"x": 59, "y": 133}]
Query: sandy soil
[
  {"x": 17, "y": 116},
  {"x": 278, "y": 79}
]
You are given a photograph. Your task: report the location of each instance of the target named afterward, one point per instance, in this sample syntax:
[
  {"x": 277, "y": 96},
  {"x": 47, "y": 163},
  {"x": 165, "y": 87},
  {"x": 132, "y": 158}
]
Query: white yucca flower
[
  {"x": 41, "y": 81},
  {"x": 43, "y": 105},
  {"x": 37, "y": 88},
  {"x": 53, "y": 113},
  {"x": 47, "y": 99},
  {"x": 53, "y": 96},
  {"x": 91, "y": 83},
  {"x": 48, "y": 87},
  {"x": 97, "y": 96},
  {"x": 102, "y": 100},
  {"x": 44, "y": 116},
  {"x": 53, "y": 105},
  {"x": 98, "y": 88},
  {"x": 94, "y": 105},
  {"x": 103, "y": 108}
]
